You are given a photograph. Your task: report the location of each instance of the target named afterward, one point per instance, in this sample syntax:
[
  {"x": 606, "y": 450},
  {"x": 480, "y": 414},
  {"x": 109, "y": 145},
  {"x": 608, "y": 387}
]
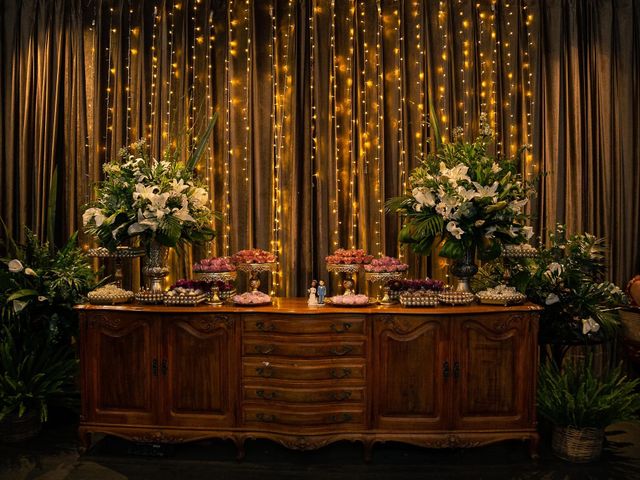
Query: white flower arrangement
[
  {"x": 150, "y": 199},
  {"x": 467, "y": 197}
]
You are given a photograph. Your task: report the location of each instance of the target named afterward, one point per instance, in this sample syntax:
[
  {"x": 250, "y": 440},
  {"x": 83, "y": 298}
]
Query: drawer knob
[
  {"x": 342, "y": 418},
  {"x": 265, "y": 395},
  {"x": 340, "y": 351},
  {"x": 264, "y": 417},
  {"x": 344, "y": 328},
  {"x": 456, "y": 370},
  {"x": 266, "y": 372},
  {"x": 340, "y": 396},
  {"x": 265, "y": 349},
  {"x": 265, "y": 327},
  {"x": 344, "y": 373}
]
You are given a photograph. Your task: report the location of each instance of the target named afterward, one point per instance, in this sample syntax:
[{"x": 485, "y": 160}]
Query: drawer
[
  {"x": 261, "y": 393},
  {"x": 280, "y": 347},
  {"x": 265, "y": 417},
  {"x": 305, "y": 325},
  {"x": 303, "y": 370}
]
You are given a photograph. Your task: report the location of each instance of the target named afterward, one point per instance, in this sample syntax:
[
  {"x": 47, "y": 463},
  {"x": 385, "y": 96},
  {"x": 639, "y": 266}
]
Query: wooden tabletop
[{"x": 299, "y": 306}]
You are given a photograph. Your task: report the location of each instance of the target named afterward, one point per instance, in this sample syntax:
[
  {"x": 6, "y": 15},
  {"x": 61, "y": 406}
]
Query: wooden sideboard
[{"x": 308, "y": 376}]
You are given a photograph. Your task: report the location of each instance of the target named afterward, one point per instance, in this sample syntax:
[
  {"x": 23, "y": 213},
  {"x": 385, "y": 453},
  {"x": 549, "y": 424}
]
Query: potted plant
[
  {"x": 38, "y": 287},
  {"x": 580, "y": 406},
  {"x": 467, "y": 198},
  {"x": 162, "y": 204},
  {"x": 567, "y": 278}
]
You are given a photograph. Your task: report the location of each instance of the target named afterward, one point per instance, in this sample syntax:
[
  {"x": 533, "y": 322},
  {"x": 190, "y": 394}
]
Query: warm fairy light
[
  {"x": 127, "y": 114},
  {"x": 333, "y": 99},
  {"x": 246, "y": 171},
  {"x": 226, "y": 223},
  {"x": 402, "y": 163},
  {"x": 109, "y": 118}
]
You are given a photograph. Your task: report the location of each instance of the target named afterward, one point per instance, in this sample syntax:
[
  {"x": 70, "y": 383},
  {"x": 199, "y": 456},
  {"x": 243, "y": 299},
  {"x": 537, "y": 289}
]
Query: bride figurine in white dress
[{"x": 313, "y": 299}]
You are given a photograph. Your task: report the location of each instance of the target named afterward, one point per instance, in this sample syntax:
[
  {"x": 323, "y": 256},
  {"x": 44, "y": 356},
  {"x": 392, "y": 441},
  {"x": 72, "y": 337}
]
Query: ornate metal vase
[
  {"x": 464, "y": 269},
  {"x": 155, "y": 266}
]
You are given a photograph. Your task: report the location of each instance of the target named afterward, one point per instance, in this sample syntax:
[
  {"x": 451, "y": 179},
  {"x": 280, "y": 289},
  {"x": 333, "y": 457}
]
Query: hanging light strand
[
  {"x": 110, "y": 72},
  {"x": 333, "y": 94}
]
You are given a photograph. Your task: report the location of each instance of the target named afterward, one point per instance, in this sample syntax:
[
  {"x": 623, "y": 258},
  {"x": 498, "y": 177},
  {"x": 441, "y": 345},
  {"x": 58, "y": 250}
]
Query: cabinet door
[
  {"x": 197, "y": 368},
  {"x": 121, "y": 368},
  {"x": 494, "y": 371},
  {"x": 412, "y": 374}
]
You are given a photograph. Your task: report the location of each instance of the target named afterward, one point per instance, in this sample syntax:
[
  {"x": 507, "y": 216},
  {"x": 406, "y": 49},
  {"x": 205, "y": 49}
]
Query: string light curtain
[{"x": 324, "y": 107}]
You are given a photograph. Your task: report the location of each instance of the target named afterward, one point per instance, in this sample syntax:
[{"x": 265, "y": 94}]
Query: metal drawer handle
[
  {"x": 270, "y": 327},
  {"x": 165, "y": 367},
  {"x": 345, "y": 372},
  {"x": 265, "y": 349},
  {"x": 340, "y": 396},
  {"x": 456, "y": 370},
  {"x": 342, "y": 418},
  {"x": 341, "y": 351},
  {"x": 266, "y": 396},
  {"x": 265, "y": 372},
  {"x": 154, "y": 367},
  {"x": 445, "y": 370},
  {"x": 345, "y": 327},
  {"x": 263, "y": 417}
]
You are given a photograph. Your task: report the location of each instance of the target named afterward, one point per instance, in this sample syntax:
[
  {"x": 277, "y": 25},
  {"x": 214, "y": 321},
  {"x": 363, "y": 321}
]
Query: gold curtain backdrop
[{"x": 323, "y": 110}]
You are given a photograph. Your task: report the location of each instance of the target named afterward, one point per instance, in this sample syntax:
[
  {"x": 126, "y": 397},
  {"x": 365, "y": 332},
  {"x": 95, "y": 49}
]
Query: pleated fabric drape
[
  {"x": 324, "y": 107},
  {"x": 587, "y": 134}
]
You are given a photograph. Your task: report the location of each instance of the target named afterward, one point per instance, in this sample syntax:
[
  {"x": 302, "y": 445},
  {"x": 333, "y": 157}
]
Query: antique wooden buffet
[{"x": 307, "y": 376}]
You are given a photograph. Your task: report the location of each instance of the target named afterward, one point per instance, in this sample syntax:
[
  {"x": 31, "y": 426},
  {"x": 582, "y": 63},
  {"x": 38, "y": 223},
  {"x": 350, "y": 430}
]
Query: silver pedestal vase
[
  {"x": 464, "y": 269},
  {"x": 155, "y": 266}
]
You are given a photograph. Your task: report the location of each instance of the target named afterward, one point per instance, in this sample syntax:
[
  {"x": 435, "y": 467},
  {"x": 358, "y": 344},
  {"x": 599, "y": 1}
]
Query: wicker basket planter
[
  {"x": 578, "y": 445},
  {"x": 14, "y": 429}
]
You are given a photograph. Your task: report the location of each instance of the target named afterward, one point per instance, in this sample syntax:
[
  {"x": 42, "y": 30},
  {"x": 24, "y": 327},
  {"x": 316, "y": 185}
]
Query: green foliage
[
  {"x": 39, "y": 285},
  {"x": 33, "y": 373},
  {"x": 143, "y": 198},
  {"x": 567, "y": 278},
  {"x": 462, "y": 194},
  {"x": 576, "y": 397}
]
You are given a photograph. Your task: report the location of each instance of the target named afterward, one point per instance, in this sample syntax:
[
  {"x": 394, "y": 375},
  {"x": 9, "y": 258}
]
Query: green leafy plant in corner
[
  {"x": 35, "y": 372},
  {"x": 576, "y": 397}
]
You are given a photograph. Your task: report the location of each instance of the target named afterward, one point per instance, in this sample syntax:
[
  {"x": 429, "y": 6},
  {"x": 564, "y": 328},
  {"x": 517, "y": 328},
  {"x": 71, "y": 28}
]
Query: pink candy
[
  {"x": 251, "y": 298},
  {"x": 216, "y": 264},
  {"x": 254, "y": 255},
  {"x": 386, "y": 264},
  {"x": 352, "y": 256},
  {"x": 350, "y": 300}
]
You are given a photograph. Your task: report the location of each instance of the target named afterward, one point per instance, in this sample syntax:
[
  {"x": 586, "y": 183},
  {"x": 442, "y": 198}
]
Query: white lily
[
  {"x": 199, "y": 197},
  {"x": 495, "y": 168},
  {"x": 455, "y": 174},
  {"x": 182, "y": 213},
  {"x": 94, "y": 214},
  {"x": 467, "y": 195},
  {"x": 589, "y": 325},
  {"x": 30, "y": 272},
  {"x": 15, "y": 266},
  {"x": 551, "y": 299},
  {"x": 145, "y": 193},
  {"x": 487, "y": 192},
  {"x": 178, "y": 186},
  {"x": 455, "y": 230},
  {"x": 423, "y": 196},
  {"x": 528, "y": 232},
  {"x": 517, "y": 205}
]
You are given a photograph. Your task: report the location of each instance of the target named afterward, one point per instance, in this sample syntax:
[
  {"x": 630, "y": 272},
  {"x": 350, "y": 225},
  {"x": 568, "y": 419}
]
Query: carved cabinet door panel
[
  {"x": 412, "y": 373},
  {"x": 197, "y": 369},
  {"x": 494, "y": 371},
  {"x": 121, "y": 368}
]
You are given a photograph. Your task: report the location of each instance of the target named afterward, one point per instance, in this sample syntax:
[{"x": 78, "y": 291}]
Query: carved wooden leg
[
  {"x": 239, "y": 448},
  {"x": 368, "y": 448},
  {"x": 85, "y": 440},
  {"x": 534, "y": 442}
]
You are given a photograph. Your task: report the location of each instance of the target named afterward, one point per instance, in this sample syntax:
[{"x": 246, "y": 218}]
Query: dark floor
[{"x": 53, "y": 456}]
